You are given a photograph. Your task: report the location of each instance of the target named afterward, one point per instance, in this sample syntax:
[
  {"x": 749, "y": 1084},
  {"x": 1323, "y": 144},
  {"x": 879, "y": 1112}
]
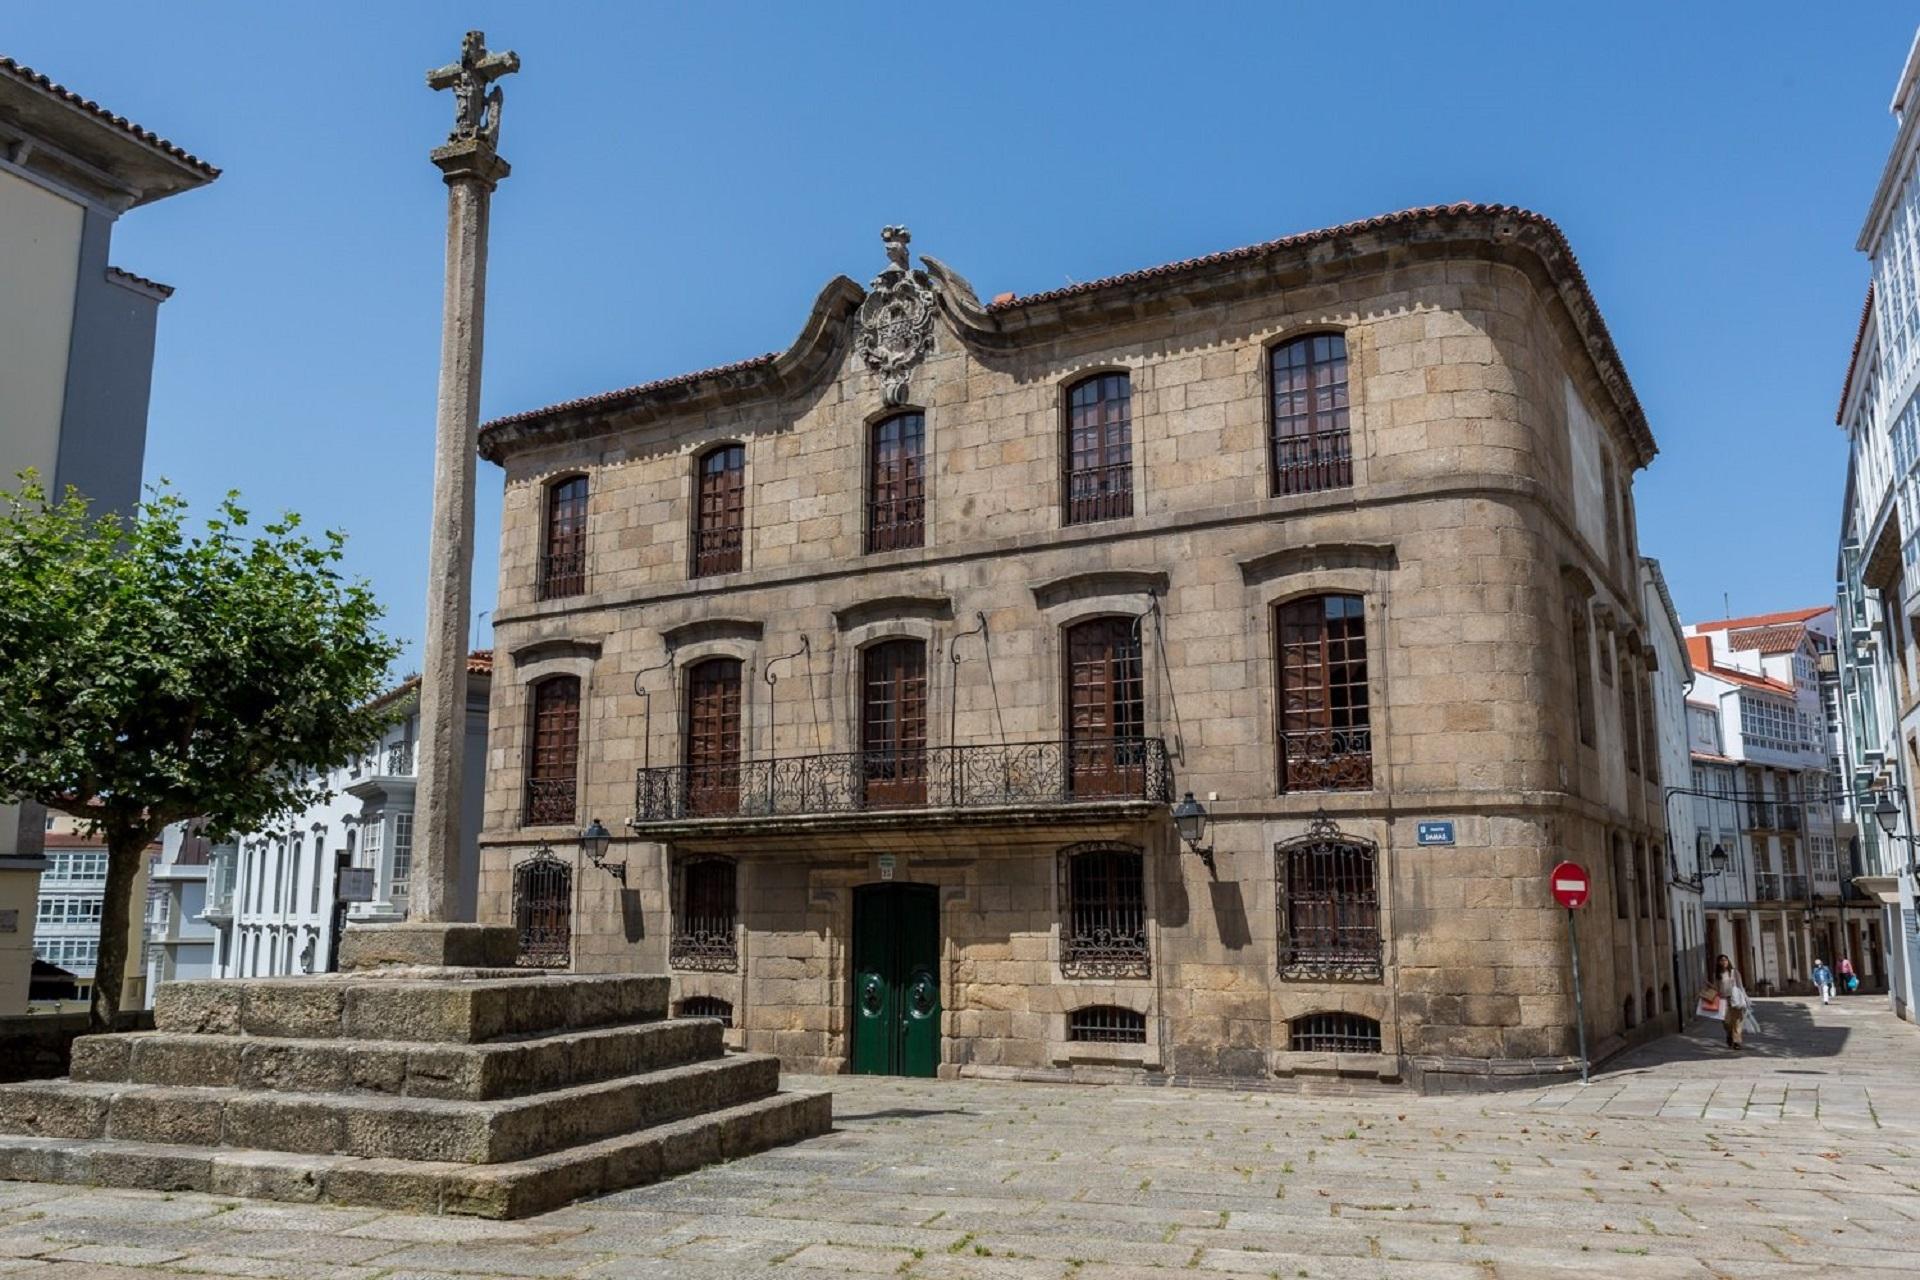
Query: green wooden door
[{"x": 896, "y": 980}]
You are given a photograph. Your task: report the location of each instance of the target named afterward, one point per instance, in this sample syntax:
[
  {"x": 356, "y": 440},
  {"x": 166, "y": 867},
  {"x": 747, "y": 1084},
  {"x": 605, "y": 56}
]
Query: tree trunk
[{"x": 124, "y": 852}]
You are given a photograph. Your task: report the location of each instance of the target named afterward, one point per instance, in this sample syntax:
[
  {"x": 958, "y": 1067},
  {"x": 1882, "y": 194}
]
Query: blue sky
[{"x": 686, "y": 178}]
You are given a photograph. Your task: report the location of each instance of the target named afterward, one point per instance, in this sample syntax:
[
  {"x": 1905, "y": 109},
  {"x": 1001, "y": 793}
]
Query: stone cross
[
  {"x": 472, "y": 168},
  {"x": 476, "y": 112}
]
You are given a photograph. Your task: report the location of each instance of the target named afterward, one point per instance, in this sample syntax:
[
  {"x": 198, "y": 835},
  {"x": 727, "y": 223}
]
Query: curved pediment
[
  {"x": 555, "y": 647},
  {"x": 893, "y": 608},
  {"x": 1316, "y": 557},
  {"x": 1100, "y": 582},
  {"x": 712, "y": 629}
]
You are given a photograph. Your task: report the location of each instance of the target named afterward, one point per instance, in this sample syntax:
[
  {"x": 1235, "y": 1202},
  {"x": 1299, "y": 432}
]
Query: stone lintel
[{"x": 463, "y": 946}]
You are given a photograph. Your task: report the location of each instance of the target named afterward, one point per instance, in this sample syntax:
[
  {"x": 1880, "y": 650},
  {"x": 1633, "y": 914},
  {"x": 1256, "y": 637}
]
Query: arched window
[
  {"x": 1106, "y": 708},
  {"x": 706, "y": 1007},
  {"x": 543, "y": 912},
  {"x": 1099, "y": 452},
  {"x": 1106, "y": 1024},
  {"x": 893, "y": 723},
  {"x": 703, "y": 915},
  {"x": 1626, "y": 1012},
  {"x": 1326, "y": 731},
  {"x": 1333, "y": 1033},
  {"x": 720, "y": 510},
  {"x": 1103, "y": 907},
  {"x": 563, "y": 550},
  {"x": 896, "y": 483},
  {"x": 712, "y": 737},
  {"x": 1329, "y": 905},
  {"x": 553, "y": 764},
  {"x": 1311, "y": 443}
]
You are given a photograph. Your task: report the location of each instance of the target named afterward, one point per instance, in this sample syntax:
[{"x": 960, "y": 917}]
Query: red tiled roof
[
  {"x": 1781, "y": 638},
  {"x": 21, "y": 72},
  {"x": 479, "y": 663},
  {"x": 1005, "y": 303},
  {"x": 1707, "y": 757},
  {"x": 1764, "y": 619},
  {"x": 1853, "y": 361}
]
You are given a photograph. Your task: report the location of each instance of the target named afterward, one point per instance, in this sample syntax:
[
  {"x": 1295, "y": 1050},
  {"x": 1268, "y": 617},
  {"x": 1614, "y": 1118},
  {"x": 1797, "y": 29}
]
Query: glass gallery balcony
[{"x": 970, "y": 782}]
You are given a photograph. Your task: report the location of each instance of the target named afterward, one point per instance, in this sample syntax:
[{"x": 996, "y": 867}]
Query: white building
[
  {"x": 1878, "y": 567},
  {"x": 181, "y": 943},
  {"x": 1671, "y": 680},
  {"x": 72, "y": 896},
  {"x": 276, "y": 896},
  {"x": 1757, "y": 723}
]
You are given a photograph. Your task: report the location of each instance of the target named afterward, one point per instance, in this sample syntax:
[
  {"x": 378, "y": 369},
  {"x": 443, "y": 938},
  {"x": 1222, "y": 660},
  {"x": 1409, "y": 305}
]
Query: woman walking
[{"x": 1726, "y": 980}]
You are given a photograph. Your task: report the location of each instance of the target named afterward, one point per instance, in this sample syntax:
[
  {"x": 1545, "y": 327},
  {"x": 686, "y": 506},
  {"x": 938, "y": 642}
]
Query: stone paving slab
[{"x": 1682, "y": 1161}]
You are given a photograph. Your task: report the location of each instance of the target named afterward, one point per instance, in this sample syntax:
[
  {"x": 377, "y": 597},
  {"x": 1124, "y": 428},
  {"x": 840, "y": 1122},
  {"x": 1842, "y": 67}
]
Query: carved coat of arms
[{"x": 896, "y": 320}]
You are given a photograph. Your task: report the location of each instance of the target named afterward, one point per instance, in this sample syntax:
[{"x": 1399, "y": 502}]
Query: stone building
[{"x": 887, "y": 661}]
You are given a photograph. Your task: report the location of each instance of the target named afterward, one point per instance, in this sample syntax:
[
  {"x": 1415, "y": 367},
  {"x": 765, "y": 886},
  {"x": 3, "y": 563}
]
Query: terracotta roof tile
[
  {"x": 1764, "y": 619},
  {"x": 1782, "y": 637},
  {"x": 638, "y": 389},
  {"x": 1853, "y": 361},
  {"x": 1700, "y": 658},
  {"x": 20, "y": 71},
  {"x": 120, "y": 273}
]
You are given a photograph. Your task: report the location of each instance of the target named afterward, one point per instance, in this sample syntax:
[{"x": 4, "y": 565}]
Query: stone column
[{"x": 472, "y": 169}]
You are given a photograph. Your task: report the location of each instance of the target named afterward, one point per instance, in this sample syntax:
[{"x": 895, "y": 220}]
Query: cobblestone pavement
[{"x": 1684, "y": 1161}]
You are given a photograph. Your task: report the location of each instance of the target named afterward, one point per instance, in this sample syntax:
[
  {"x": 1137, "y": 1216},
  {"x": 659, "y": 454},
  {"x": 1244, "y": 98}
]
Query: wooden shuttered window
[
  {"x": 720, "y": 510},
  {"x": 1311, "y": 440},
  {"x": 713, "y": 737},
  {"x": 893, "y": 724},
  {"x": 1106, "y": 707},
  {"x": 553, "y": 766},
  {"x": 1325, "y": 730}
]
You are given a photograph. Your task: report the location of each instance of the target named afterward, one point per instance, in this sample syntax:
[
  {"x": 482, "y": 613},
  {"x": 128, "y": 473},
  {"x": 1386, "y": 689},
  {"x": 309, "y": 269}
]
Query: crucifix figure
[{"x": 476, "y": 112}]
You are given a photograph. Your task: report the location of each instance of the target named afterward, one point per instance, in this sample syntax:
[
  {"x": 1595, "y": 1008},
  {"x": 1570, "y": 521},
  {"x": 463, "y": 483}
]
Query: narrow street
[{"x": 1797, "y": 1157}]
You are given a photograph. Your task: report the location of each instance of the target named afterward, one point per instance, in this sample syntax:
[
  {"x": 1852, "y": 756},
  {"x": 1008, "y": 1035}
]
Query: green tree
[{"x": 150, "y": 675}]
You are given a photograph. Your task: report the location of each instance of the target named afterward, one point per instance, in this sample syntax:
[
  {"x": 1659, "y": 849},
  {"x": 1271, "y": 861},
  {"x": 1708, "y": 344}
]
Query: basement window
[{"x": 1106, "y": 1024}]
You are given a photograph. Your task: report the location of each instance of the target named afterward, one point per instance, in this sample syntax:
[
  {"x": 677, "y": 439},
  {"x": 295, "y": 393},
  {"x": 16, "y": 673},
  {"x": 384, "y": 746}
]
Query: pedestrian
[
  {"x": 1847, "y": 978},
  {"x": 1726, "y": 980},
  {"x": 1823, "y": 979}
]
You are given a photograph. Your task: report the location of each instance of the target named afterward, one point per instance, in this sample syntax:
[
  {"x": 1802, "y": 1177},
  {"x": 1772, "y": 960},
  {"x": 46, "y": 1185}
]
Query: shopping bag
[
  {"x": 1853, "y": 983},
  {"x": 1710, "y": 1005}
]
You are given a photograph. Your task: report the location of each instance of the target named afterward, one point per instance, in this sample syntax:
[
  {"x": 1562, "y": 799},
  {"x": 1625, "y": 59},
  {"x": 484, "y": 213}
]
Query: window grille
[
  {"x": 707, "y": 1007},
  {"x": 720, "y": 510},
  {"x": 563, "y": 557},
  {"x": 1329, "y": 908},
  {"x": 1103, "y": 931},
  {"x": 1326, "y": 734},
  {"x": 554, "y": 765},
  {"x": 713, "y": 737},
  {"x": 543, "y": 912},
  {"x": 1333, "y": 1033},
  {"x": 1107, "y": 1024},
  {"x": 1099, "y": 453},
  {"x": 703, "y": 916},
  {"x": 896, "y": 483},
  {"x": 1311, "y": 444}
]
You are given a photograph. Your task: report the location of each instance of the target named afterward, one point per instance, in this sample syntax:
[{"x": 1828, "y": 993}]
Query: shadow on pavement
[{"x": 1789, "y": 1032}]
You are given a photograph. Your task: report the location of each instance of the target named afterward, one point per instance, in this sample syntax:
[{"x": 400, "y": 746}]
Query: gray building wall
[{"x": 103, "y": 427}]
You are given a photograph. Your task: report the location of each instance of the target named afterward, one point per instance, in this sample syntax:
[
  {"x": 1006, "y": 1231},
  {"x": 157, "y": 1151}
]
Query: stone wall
[{"x": 1462, "y": 532}]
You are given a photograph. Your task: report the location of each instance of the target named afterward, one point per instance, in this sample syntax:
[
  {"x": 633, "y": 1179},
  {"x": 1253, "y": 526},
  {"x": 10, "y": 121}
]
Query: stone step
[
  {"x": 472, "y": 1072},
  {"x": 473, "y": 1007},
  {"x": 380, "y": 1127},
  {"x": 510, "y": 1190}
]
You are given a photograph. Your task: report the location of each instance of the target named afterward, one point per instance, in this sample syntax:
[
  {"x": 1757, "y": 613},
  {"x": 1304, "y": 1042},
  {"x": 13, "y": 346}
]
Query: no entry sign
[{"x": 1570, "y": 885}]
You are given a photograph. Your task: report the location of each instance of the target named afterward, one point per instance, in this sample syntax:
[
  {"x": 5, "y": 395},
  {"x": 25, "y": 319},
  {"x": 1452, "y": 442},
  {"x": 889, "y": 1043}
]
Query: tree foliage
[{"x": 149, "y": 674}]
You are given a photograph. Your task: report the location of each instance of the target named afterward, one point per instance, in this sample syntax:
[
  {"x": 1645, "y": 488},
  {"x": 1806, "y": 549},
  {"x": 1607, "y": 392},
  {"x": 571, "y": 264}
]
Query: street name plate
[
  {"x": 1435, "y": 832},
  {"x": 356, "y": 884}
]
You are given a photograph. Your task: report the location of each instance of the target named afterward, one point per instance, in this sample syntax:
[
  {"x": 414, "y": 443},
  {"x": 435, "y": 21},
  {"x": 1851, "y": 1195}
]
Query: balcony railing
[
  {"x": 550, "y": 801},
  {"x": 1773, "y": 886},
  {"x": 1099, "y": 493},
  {"x": 400, "y": 760},
  {"x": 1327, "y": 759},
  {"x": 970, "y": 777},
  {"x": 563, "y": 573},
  {"x": 896, "y": 524},
  {"x": 717, "y": 550}
]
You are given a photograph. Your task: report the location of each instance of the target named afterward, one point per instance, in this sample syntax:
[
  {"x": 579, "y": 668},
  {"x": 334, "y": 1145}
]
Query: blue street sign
[{"x": 1436, "y": 833}]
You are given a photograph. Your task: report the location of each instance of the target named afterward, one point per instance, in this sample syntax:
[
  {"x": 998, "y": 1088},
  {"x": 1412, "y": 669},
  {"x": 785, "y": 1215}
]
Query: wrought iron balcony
[
  {"x": 986, "y": 776},
  {"x": 1327, "y": 759},
  {"x": 1099, "y": 493},
  {"x": 1772, "y": 886}
]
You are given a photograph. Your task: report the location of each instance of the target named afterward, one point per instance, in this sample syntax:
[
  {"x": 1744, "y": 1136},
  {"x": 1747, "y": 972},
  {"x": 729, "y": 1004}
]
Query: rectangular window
[
  {"x": 553, "y": 771},
  {"x": 1106, "y": 708},
  {"x": 703, "y": 916},
  {"x": 371, "y": 842},
  {"x": 1311, "y": 442},
  {"x": 1630, "y": 719},
  {"x": 1325, "y": 731},
  {"x": 1103, "y": 900},
  {"x": 1582, "y": 646},
  {"x": 1100, "y": 449},
  {"x": 720, "y": 511},
  {"x": 713, "y": 737},
  {"x": 896, "y": 483},
  {"x": 893, "y": 730},
  {"x": 563, "y": 557},
  {"x": 402, "y": 853},
  {"x": 1330, "y": 907}
]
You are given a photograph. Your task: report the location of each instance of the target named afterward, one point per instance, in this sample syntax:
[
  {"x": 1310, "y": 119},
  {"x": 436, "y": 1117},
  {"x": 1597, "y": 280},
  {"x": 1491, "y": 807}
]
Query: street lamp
[
  {"x": 1886, "y": 813},
  {"x": 594, "y": 842},
  {"x": 1190, "y": 820},
  {"x": 1719, "y": 859}
]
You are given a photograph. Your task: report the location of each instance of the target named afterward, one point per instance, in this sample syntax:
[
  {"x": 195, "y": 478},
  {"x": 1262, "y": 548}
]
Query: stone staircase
[{"x": 499, "y": 1093}]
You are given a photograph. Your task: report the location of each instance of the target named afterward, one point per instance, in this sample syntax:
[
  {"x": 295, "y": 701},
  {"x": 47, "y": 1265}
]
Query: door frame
[{"x": 878, "y": 890}]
